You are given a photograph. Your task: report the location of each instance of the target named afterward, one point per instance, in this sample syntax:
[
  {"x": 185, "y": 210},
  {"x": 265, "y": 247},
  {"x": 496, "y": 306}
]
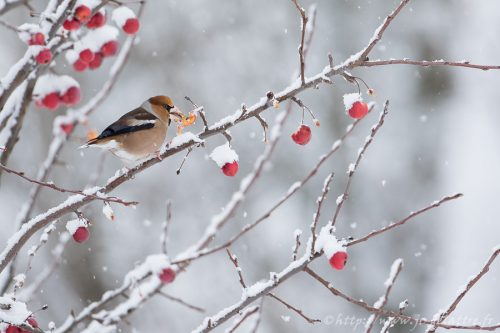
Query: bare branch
[
  {"x": 396, "y": 268},
  {"x": 246, "y": 313},
  {"x": 353, "y": 167},
  {"x": 428, "y": 63},
  {"x": 406, "y": 219},
  {"x": 321, "y": 199},
  {"x": 294, "y": 309},
  {"x": 302, "y": 40},
  {"x": 166, "y": 224},
  {"x": 444, "y": 314},
  {"x": 386, "y": 313},
  {"x": 180, "y": 301},
  {"x": 234, "y": 260},
  {"x": 63, "y": 190}
]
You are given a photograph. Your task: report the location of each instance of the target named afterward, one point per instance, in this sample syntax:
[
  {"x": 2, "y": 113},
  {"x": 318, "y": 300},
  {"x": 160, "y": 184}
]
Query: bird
[{"x": 140, "y": 133}]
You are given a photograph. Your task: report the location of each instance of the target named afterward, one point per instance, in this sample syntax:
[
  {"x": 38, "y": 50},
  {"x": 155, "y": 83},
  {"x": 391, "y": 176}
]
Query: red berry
[
  {"x": 338, "y": 260},
  {"x": 302, "y": 135},
  {"x": 167, "y": 275},
  {"x": 82, "y": 13},
  {"x": 80, "y": 65},
  {"x": 13, "y": 329},
  {"x": 71, "y": 24},
  {"x": 230, "y": 169},
  {"x": 96, "y": 21},
  {"x": 96, "y": 62},
  {"x": 44, "y": 56},
  {"x": 71, "y": 96},
  {"x": 67, "y": 128},
  {"x": 51, "y": 101},
  {"x": 110, "y": 48},
  {"x": 37, "y": 39},
  {"x": 32, "y": 322},
  {"x": 131, "y": 26},
  {"x": 358, "y": 110},
  {"x": 81, "y": 235},
  {"x": 87, "y": 55}
]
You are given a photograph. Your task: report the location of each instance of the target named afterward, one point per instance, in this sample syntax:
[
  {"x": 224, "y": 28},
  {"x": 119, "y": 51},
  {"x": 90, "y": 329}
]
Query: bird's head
[{"x": 163, "y": 107}]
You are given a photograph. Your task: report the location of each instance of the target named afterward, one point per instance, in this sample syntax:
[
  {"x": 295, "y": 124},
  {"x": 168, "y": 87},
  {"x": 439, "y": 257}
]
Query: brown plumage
[{"x": 139, "y": 133}]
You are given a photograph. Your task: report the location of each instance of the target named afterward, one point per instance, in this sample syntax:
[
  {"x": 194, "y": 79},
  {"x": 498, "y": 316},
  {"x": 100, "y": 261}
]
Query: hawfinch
[{"x": 139, "y": 133}]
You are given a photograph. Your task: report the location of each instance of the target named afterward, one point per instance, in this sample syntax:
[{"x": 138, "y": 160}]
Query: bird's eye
[{"x": 168, "y": 107}]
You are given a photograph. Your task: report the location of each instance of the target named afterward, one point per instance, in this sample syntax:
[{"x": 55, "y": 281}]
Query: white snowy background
[{"x": 441, "y": 136}]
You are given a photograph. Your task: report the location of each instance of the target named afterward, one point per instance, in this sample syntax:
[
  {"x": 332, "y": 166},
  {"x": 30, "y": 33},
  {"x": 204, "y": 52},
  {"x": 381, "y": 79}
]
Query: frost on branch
[{"x": 13, "y": 312}]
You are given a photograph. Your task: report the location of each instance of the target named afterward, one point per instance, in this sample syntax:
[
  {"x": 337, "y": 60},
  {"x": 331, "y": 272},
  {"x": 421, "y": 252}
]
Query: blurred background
[{"x": 441, "y": 136}]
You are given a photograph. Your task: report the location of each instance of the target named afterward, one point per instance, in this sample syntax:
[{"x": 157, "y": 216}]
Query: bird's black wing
[{"x": 133, "y": 121}]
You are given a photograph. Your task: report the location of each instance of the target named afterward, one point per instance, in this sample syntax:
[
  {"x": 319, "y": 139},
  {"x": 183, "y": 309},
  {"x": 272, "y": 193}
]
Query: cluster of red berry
[
  {"x": 14, "y": 329},
  {"x": 356, "y": 110},
  {"x": 52, "y": 100}
]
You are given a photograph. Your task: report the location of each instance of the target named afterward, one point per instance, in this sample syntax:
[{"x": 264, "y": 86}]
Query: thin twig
[
  {"x": 406, "y": 219},
  {"x": 396, "y": 268},
  {"x": 304, "y": 20},
  {"x": 294, "y": 309},
  {"x": 353, "y": 167},
  {"x": 63, "y": 190},
  {"x": 297, "y": 245},
  {"x": 234, "y": 260},
  {"x": 166, "y": 224},
  {"x": 246, "y": 313},
  {"x": 444, "y": 314},
  {"x": 427, "y": 63},
  {"x": 386, "y": 313},
  {"x": 321, "y": 199},
  {"x": 180, "y": 301}
]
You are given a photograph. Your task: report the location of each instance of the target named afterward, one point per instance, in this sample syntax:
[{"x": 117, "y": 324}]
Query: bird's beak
[{"x": 176, "y": 114}]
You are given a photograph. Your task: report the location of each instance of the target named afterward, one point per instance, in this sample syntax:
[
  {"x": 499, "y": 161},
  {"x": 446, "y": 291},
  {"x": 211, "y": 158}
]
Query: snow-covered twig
[
  {"x": 219, "y": 220},
  {"x": 354, "y": 166},
  {"x": 406, "y": 219},
  {"x": 64, "y": 190},
  {"x": 427, "y": 63},
  {"x": 379, "y": 32},
  {"x": 11, "y": 4},
  {"x": 387, "y": 313},
  {"x": 244, "y": 315},
  {"x": 294, "y": 188},
  {"x": 396, "y": 268},
  {"x": 442, "y": 315},
  {"x": 321, "y": 199},
  {"x": 304, "y": 20},
  {"x": 234, "y": 260},
  {"x": 19, "y": 72}
]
